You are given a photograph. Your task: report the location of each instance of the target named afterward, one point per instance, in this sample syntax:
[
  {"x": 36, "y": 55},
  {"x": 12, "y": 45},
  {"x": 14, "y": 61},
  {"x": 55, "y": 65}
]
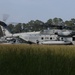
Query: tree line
[{"x": 37, "y": 25}]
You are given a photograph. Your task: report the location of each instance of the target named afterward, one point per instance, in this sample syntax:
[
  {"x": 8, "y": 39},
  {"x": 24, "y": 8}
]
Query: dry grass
[{"x": 37, "y": 59}]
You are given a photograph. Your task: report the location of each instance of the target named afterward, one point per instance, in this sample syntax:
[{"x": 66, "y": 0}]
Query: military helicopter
[{"x": 51, "y": 36}]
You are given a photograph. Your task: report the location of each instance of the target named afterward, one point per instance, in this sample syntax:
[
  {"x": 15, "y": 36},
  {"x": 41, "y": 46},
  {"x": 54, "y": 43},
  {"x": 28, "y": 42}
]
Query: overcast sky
[{"x": 26, "y": 10}]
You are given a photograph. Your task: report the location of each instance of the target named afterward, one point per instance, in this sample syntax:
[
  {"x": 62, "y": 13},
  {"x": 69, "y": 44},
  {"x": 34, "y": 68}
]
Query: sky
[{"x": 23, "y": 11}]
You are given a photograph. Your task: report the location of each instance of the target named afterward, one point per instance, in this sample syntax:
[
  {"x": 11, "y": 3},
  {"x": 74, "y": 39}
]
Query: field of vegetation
[{"x": 37, "y": 60}]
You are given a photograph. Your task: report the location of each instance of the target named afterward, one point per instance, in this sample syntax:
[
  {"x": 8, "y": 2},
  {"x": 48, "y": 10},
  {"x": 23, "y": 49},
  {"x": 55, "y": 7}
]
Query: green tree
[
  {"x": 73, "y": 21},
  {"x": 18, "y": 28},
  {"x": 69, "y": 23},
  {"x": 57, "y": 21},
  {"x": 35, "y": 25},
  {"x": 49, "y": 22},
  {"x": 11, "y": 28},
  {"x": 38, "y": 25}
]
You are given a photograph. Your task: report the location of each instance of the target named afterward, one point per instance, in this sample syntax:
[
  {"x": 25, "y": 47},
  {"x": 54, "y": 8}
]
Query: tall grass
[{"x": 37, "y": 60}]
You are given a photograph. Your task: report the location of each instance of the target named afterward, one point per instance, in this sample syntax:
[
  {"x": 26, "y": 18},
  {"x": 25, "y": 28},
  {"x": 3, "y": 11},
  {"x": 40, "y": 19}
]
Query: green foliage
[
  {"x": 69, "y": 23},
  {"x": 37, "y": 60},
  {"x": 18, "y": 28},
  {"x": 11, "y": 27},
  {"x": 57, "y": 21},
  {"x": 37, "y": 25},
  {"x": 50, "y": 22}
]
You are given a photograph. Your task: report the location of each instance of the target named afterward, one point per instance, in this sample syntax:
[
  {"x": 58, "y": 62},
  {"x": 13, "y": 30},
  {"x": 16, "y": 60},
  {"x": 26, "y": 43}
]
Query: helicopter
[{"x": 51, "y": 36}]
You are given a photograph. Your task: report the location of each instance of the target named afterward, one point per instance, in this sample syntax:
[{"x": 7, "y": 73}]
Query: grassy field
[{"x": 37, "y": 60}]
